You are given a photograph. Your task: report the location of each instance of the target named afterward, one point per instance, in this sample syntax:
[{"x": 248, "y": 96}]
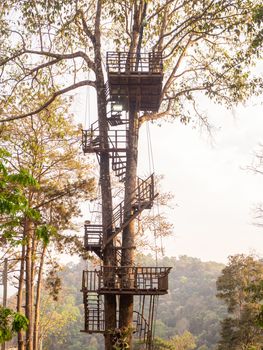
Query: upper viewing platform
[
  {"x": 142, "y": 64},
  {"x": 135, "y": 79}
]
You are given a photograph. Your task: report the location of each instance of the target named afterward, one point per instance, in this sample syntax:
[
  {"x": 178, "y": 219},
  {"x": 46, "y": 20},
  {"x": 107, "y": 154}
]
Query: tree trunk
[
  {"x": 105, "y": 181},
  {"x": 137, "y": 28},
  {"x": 108, "y": 254},
  {"x": 128, "y": 236},
  {"x": 20, "y": 338},
  {"x": 29, "y": 284},
  {"x": 37, "y": 306}
]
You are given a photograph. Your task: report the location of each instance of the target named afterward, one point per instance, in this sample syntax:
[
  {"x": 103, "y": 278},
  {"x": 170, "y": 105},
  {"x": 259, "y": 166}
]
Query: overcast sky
[{"x": 214, "y": 193}]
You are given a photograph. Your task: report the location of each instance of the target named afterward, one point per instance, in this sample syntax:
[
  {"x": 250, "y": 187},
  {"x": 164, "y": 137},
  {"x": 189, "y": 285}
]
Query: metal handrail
[
  {"x": 133, "y": 278},
  {"x": 91, "y": 137},
  {"x": 126, "y": 277},
  {"x": 143, "y": 192},
  {"x": 123, "y": 62}
]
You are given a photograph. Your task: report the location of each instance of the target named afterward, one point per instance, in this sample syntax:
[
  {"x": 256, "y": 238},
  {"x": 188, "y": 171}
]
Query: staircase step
[
  {"x": 119, "y": 162},
  {"x": 119, "y": 170},
  {"x": 122, "y": 168},
  {"x": 119, "y": 156},
  {"x": 120, "y": 174},
  {"x": 120, "y": 165}
]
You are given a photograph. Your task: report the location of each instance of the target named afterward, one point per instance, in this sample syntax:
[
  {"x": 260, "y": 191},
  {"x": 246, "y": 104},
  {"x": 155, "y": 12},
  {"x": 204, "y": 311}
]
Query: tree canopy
[
  {"x": 240, "y": 329},
  {"x": 208, "y": 46}
]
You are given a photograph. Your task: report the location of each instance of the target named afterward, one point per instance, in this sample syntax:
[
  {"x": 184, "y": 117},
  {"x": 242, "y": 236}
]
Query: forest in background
[
  {"x": 209, "y": 306},
  {"x": 191, "y": 305}
]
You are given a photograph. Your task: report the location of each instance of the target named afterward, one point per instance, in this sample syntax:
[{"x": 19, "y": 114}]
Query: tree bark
[
  {"x": 137, "y": 28},
  {"x": 37, "y": 305},
  {"x": 20, "y": 337},
  {"x": 105, "y": 181},
  {"x": 29, "y": 284},
  {"x": 128, "y": 236}
]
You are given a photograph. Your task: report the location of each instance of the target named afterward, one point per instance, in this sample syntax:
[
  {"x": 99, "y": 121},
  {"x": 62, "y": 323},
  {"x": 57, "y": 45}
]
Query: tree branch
[
  {"x": 50, "y": 100},
  {"x": 77, "y": 54},
  {"x": 171, "y": 78},
  {"x": 66, "y": 191},
  {"x": 86, "y": 29}
]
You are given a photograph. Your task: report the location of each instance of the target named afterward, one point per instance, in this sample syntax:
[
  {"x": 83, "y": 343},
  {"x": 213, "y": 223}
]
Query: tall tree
[
  {"x": 47, "y": 146},
  {"x": 208, "y": 47},
  {"x": 239, "y": 330},
  {"x": 13, "y": 205}
]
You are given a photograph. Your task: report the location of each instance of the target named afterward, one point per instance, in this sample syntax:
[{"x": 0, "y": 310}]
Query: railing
[
  {"x": 145, "y": 189},
  {"x": 118, "y": 138},
  {"x": 90, "y": 280},
  {"x": 93, "y": 236},
  {"x": 142, "y": 326},
  {"x": 91, "y": 139},
  {"x": 143, "y": 194},
  {"x": 94, "y": 312},
  {"x": 126, "y": 277},
  {"x": 123, "y": 62},
  {"x": 134, "y": 278},
  {"x": 142, "y": 198}
]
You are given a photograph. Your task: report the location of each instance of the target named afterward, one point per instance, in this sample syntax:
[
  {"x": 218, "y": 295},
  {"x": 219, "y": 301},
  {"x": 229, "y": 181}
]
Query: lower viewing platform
[{"x": 127, "y": 280}]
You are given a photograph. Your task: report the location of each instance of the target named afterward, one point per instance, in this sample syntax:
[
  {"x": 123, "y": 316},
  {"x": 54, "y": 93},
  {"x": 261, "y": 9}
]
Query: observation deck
[
  {"x": 135, "y": 80},
  {"x": 127, "y": 280}
]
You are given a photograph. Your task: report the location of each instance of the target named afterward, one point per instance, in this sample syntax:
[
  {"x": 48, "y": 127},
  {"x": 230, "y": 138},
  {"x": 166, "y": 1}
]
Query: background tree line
[{"x": 209, "y": 307}]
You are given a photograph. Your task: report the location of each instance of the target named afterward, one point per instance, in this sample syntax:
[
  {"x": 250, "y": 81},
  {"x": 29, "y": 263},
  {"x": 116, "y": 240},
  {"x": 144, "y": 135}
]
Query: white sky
[{"x": 214, "y": 194}]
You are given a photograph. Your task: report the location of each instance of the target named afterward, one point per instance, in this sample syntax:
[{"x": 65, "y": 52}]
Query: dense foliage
[
  {"x": 208, "y": 46},
  {"x": 239, "y": 287},
  {"x": 13, "y": 206},
  {"x": 10, "y": 323},
  {"x": 13, "y": 202}
]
